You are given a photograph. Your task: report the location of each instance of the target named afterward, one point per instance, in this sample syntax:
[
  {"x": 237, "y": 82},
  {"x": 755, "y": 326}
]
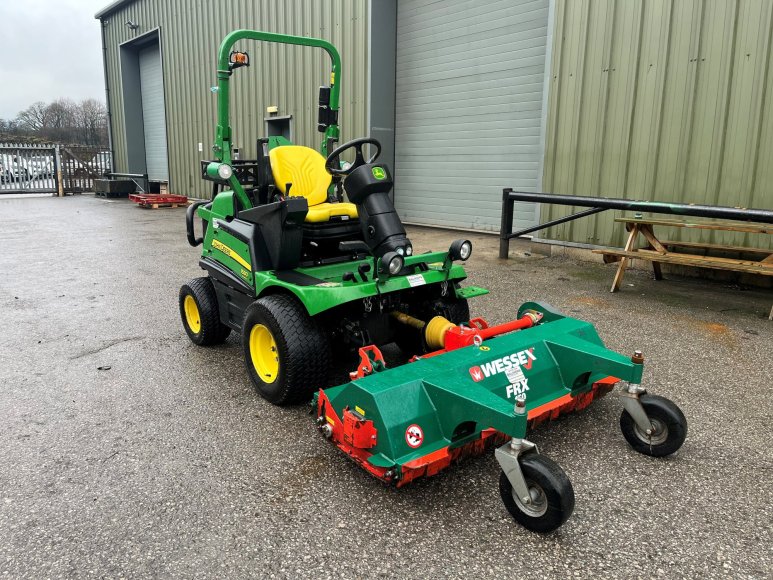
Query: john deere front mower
[{"x": 307, "y": 259}]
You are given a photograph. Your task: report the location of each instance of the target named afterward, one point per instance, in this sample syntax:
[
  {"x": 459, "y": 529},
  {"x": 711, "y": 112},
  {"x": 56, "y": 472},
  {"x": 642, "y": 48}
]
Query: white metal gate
[
  {"x": 27, "y": 168},
  {"x": 469, "y": 88}
]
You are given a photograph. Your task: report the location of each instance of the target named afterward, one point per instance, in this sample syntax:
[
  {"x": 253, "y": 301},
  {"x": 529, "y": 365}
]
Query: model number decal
[{"x": 218, "y": 245}]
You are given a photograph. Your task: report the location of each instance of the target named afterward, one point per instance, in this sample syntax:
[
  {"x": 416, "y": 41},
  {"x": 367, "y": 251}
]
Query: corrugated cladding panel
[
  {"x": 286, "y": 76},
  {"x": 470, "y": 78},
  {"x": 667, "y": 101}
]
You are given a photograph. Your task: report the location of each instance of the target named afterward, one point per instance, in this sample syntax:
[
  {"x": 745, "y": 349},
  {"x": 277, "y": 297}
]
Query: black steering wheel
[{"x": 359, "y": 158}]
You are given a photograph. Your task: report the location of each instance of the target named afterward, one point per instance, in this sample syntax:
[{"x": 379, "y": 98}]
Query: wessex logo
[{"x": 522, "y": 359}]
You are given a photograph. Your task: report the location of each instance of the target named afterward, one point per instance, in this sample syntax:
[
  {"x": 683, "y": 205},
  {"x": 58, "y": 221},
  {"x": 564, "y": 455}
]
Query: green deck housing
[{"x": 440, "y": 394}]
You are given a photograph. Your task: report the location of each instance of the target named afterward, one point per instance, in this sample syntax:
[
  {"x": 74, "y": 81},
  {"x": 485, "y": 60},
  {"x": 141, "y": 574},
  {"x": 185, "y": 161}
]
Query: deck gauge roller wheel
[
  {"x": 551, "y": 494},
  {"x": 200, "y": 314},
  {"x": 669, "y": 427},
  {"x": 286, "y": 352}
]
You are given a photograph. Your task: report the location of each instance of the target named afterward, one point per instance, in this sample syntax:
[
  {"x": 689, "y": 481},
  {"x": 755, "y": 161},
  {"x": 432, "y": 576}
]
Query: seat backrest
[{"x": 304, "y": 168}]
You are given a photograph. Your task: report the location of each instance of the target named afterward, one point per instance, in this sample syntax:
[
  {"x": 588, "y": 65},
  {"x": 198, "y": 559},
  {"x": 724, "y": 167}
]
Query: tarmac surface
[{"x": 166, "y": 463}]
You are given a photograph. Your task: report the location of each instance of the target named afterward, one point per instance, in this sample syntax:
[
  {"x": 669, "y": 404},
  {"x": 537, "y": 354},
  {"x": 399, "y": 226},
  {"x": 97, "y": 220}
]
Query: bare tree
[
  {"x": 64, "y": 121},
  {"x": 9, "y": 126},
  {"x": 60, "y": 121},
  {"x": 33, "y": 118},
  {"x": 91, "y": 118}
]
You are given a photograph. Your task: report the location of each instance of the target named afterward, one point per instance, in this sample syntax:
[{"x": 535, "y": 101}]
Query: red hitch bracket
[{"x": 371, "y": 361}]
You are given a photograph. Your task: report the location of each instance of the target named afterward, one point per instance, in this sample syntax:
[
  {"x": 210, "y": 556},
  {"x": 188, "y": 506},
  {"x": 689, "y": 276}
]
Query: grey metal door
[
  {"x": 153, "y": 113},
  {"x": 469, "y": 90}
]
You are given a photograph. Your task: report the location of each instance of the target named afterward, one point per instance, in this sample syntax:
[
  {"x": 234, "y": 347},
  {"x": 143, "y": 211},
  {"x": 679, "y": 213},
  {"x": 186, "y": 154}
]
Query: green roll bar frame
[{"x": 222, "y": 149}]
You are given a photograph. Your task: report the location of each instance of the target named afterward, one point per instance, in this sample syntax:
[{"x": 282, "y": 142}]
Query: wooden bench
[{"x": 662, "y": 251}]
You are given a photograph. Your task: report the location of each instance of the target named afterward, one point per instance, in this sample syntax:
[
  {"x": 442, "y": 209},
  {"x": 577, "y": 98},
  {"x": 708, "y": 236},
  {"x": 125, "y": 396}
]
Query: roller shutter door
[
  {"x": 153, "y": 113},
  {"x": 468, "y": 109}
]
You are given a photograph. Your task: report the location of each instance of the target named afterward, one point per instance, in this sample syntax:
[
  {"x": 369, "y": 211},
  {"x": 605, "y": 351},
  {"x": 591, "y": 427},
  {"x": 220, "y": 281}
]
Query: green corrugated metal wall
[
  {"x": 667, "y": 100},
  {"x": 286, "y": 76}
]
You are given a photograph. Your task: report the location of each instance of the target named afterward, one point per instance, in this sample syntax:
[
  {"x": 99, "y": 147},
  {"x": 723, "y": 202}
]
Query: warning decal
[{"x": 414, "y": 436}]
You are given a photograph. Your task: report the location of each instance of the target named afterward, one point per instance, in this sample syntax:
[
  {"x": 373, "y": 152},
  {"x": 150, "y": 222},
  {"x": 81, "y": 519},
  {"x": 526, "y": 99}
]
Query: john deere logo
[{"x": 379, "y": 173}]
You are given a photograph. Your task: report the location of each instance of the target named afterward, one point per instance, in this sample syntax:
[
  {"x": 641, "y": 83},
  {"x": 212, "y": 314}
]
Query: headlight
[
  {"x": 460, "y": 250},
  {"x": 409, "y": 250},
  {"x": 392, "y": 262},
  {"x": 225, "y": 172},
  {"x": 219, "y": 171}
]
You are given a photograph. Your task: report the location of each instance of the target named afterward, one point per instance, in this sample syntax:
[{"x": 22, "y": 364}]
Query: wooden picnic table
[{"x": 662, "y": 251}]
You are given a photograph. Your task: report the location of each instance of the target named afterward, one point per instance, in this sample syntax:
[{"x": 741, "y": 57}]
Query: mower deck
[{"x": 416, "y": 419}]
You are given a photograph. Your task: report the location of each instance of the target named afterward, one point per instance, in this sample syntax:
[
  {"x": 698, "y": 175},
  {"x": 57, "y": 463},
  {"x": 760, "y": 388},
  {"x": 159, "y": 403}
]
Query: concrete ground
[{"x": 165, "y": 463}]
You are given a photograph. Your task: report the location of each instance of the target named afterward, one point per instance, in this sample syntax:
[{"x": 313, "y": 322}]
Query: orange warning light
[{"x": 238, "y": 59}]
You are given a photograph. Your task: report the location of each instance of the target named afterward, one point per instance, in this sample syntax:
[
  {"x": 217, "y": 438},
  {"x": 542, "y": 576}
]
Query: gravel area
[{"x": 129, "y": 452}]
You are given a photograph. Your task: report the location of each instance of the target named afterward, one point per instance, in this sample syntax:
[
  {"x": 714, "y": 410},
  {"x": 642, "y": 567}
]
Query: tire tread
[
  {"x": 212, "y": 330},
  {"x": 308, "y": 349}
]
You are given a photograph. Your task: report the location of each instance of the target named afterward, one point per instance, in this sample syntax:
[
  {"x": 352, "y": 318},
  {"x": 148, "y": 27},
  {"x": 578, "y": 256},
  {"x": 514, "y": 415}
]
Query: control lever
[{"x": 362, "y": 269}]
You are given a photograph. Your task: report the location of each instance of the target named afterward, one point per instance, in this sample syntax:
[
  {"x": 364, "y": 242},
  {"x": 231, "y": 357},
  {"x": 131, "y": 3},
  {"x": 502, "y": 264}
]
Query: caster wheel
[
  {"x": 552, "y": 495},
  {"x": 669, "y": 427},
  {"x": 200, "y": 314}
]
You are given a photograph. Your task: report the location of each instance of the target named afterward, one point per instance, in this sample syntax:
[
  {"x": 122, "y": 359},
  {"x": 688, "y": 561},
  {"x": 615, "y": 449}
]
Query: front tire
[
  {"x": 286, "y": 352},
  {"x": 200, "y": 313},
  {"x": 551, "y": 493},
  {"x": 669, "y": 427}
]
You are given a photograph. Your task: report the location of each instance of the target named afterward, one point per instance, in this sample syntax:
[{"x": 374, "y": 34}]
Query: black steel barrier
[
  {"x": 599, "y": 204},
  {"x": 134, "y": 177}
]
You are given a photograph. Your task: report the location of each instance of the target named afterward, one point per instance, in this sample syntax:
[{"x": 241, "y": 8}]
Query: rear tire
[
  {"x": 286, "y": 352},
  {"x": 200, "y": 313},
  {"x": 551, "y": 492}
]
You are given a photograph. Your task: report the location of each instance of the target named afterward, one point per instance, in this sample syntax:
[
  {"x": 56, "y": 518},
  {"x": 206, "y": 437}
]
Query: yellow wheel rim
[
  {"x": 264, "y": 354},
  {"x": 192, "y": 316}
]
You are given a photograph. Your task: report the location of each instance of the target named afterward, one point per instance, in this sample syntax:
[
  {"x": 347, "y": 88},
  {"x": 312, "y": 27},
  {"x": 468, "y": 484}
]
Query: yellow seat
[{"x": 304, "y": 168}]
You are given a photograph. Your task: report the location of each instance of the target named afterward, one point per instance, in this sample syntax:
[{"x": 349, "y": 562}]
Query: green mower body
[
  {"x": 292, "y": 225},
  {"x": 307, "y": 259}
]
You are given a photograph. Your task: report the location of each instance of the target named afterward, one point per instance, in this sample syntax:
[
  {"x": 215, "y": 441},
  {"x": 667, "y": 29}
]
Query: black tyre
[
  {"x": 669, "y": 427},
  {"x": 286, "y": 353},
  {"x": 551, "y": 493},
  {"x": 200, "y": 313},
  {"x": 411, "y": 341}
]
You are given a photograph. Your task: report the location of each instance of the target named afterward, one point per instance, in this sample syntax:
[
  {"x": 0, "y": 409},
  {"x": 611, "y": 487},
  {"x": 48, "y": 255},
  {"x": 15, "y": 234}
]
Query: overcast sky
[{"x": 49, "y": 49}]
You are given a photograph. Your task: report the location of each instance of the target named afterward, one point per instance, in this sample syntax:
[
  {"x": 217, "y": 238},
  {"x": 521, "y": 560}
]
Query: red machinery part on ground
[{"x": 157, "y": 199}]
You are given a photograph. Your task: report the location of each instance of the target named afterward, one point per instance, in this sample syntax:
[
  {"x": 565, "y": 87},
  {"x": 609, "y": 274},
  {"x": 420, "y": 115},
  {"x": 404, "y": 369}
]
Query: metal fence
[{"x": 26, "y": 168}]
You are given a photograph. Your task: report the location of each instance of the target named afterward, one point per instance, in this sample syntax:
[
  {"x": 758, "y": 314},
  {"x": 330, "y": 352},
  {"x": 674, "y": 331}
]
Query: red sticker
[
  {"x": 477, "y": 374},
  {"x": 414, "y": 436}
]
